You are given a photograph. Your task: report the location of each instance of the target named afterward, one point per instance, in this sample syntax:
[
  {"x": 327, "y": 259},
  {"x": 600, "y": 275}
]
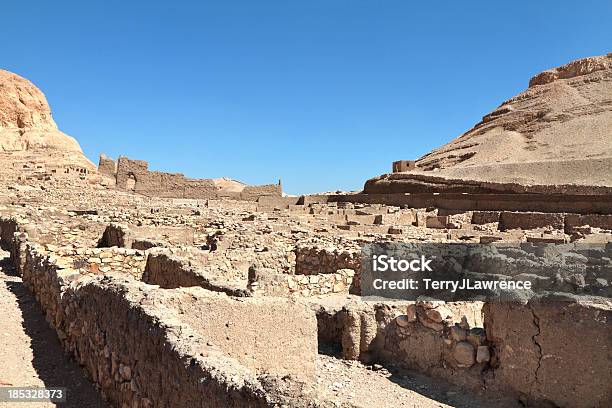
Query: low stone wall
[
  {"x": 13, "y": 239},
  {"x": 170, "y": 271},
  {"x": 281, "y": 284},
  {"x": 485, "y": 217},
  {"x": 269, "y": 203},
  {"x": 314, "y": 260},
  {"x": 118, "y": 260},
  {"x": 140, "y": 350},
  {"x": 103, "y": 327},
  {"x": 8, "y": 227},
  {"x": 252, "y": 193}
]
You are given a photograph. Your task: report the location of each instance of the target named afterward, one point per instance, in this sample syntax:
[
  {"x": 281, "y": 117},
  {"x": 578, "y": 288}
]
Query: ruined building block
[
  {"x": 530, "y": 220},
  {"x": 107, "y": 166},
  {"x": 437, "y": 221},
  {"x": 403, "y": 165}
]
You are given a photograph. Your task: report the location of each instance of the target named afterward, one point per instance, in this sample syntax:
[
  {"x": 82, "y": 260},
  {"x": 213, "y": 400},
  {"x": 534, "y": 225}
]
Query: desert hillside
[{"x": 557, "y": 132}]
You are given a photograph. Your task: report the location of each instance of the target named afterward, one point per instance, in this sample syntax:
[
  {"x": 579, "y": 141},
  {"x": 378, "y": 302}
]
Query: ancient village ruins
[{"x": 178, "y": 292}]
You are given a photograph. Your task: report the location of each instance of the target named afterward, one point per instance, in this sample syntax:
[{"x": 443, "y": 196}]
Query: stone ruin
[
  {"x": 173, "y": 292},
  {"x": 403, "y": 165},
  {"x": 221, "y": 302},
  {"x": 134, "y": 176}
]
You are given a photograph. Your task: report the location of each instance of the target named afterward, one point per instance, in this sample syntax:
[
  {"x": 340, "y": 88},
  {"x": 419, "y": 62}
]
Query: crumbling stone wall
[
  {"x": 13, "y": 239},
  {"x": 107, "y": 167},
  {"x": 530, "y": 220},
  {"x": 252, "y": 193},
  {"x": 139, "y": 353},
  {"x": 8, "y": 227},
  {"x": 593, "y": 220},
  {"x": 169, "y": 271},
  {"x": 524, "y": 350},
  {"x": 314, "y": 260},
  {"x": 128, "y": 370},
  {"x": 117, "y": 260},
  {"x": 148, "y": 358},
  {"x": 176, "y": 185},
  {"x": 280, "y": 284}
]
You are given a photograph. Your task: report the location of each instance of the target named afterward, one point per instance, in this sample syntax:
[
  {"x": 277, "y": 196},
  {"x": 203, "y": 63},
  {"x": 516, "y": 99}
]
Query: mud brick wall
[
  {"x": 267, "y": 335},
  {"x": 592, "y": 220},
  {"x": 485, "y": 217},
  {"x": 553, "y": 351},
  {"x": 589, "y": 203},
  {"x": 176, "y": 185},
  {"x": 252, "y": 193},
  {"x": 530, "y": 220},
  {"x": 170, "y": 271},
  {"x": 107, "y": 167}
]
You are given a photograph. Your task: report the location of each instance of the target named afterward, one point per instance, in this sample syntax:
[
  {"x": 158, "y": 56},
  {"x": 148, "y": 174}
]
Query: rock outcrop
[
  {"x": 556, "y": 133},
  {"x": 28, "y": 132}
]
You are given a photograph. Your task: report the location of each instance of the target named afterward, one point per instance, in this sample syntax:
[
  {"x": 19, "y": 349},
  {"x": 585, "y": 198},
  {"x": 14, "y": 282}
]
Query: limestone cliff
[
  {"x": 556, "y": 133},
  {"x": 27, "y": 129}
]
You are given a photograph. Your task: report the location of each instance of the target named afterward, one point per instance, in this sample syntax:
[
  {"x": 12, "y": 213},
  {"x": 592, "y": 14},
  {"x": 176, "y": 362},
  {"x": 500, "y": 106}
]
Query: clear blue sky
[{"x": 321, "y": 93}]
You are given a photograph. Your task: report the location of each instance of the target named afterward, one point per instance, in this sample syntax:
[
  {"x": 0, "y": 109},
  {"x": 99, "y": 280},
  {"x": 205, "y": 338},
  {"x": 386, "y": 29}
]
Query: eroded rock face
[
  {"x": 27, "y": 129},
  {"x": 557, "y": 132}
]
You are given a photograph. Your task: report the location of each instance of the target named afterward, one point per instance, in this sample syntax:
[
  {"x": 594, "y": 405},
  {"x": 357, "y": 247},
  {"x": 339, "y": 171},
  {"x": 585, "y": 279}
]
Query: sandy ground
[
  {"x": 30, "y": 353},
  {"x": 351, "y": 383}
]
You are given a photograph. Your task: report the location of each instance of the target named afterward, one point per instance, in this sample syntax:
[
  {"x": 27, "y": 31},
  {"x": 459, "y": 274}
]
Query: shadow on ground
[
  {"x": 435, "y": 389},
  {"x": 53, "y": 366}
]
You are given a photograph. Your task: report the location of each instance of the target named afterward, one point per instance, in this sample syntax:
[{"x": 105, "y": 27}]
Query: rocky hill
[
  {"x": 556, "y": 135},
  {"x": 28, "y": 133}
]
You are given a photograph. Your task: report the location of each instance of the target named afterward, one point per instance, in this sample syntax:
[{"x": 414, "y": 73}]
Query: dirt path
[{"x": 30, "y": 353}]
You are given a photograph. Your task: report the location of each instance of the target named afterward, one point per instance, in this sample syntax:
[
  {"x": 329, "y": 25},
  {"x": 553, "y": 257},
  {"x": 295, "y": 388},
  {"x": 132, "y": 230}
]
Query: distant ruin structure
[
  {"x": 134, "y": 175},
  {"x": 403, "y": 165}
]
